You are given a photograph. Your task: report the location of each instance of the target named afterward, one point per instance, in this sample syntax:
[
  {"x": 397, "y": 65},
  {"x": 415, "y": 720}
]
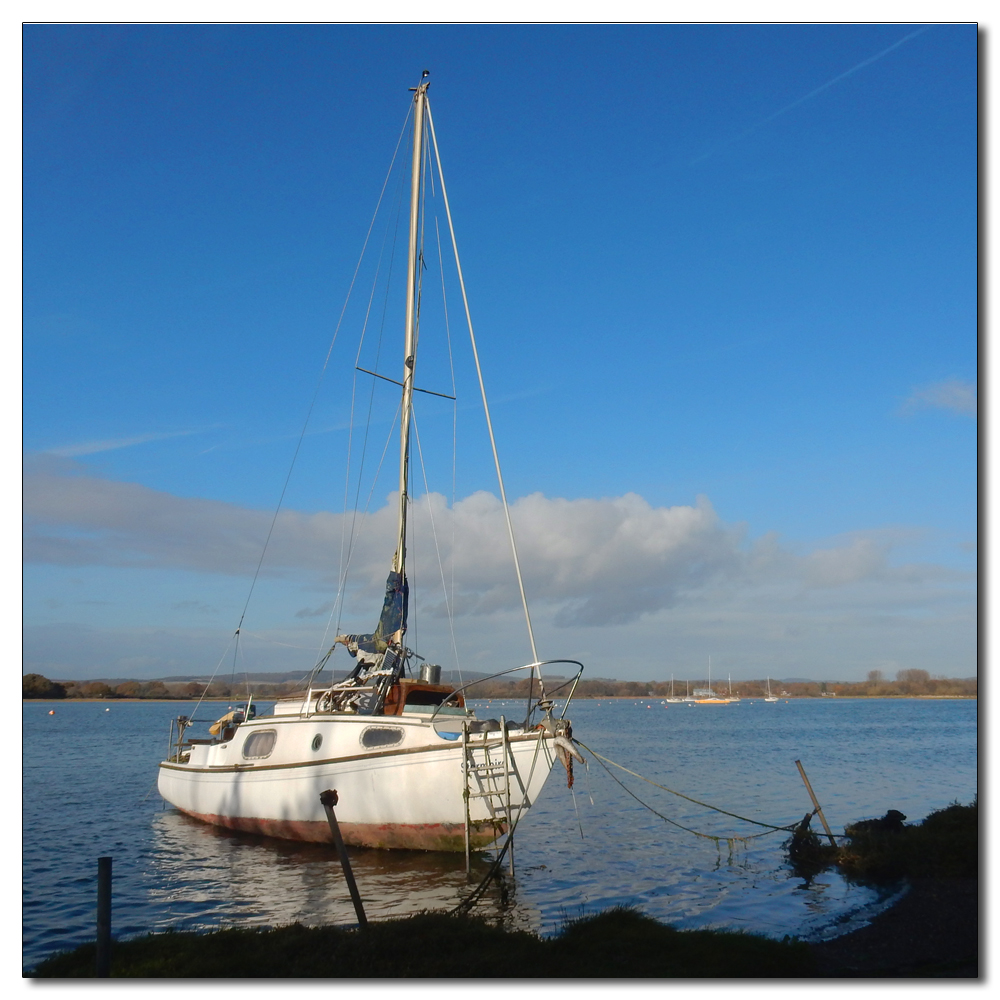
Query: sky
[{"x": 724, "y": 285}]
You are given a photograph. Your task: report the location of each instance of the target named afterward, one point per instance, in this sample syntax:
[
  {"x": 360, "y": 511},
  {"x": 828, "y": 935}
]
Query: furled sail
[{"x": 391, "y": 623}]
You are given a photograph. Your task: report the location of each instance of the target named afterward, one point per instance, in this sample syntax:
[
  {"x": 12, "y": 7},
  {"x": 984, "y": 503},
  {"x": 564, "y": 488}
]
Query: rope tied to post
[{"x": 771, "y": 828}]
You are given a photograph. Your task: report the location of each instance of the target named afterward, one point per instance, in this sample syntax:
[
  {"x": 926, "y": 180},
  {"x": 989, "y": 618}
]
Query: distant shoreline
[
  {"x": 588, "y": 697},
  {"x": 760, "y": 697}
]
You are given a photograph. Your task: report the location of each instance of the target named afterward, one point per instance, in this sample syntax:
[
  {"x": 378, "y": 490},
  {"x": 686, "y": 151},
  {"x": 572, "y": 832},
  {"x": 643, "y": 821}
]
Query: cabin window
[
  {"x": 259, "y": 744},
  {"x": 381, "y": 736},
  {"x": 419, "y": 697}
]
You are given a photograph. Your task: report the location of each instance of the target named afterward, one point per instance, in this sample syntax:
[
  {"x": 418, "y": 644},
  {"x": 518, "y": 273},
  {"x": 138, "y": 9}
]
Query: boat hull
[
  {"x": 386, "y": 836},
  {"x": 409, "y": 798}
]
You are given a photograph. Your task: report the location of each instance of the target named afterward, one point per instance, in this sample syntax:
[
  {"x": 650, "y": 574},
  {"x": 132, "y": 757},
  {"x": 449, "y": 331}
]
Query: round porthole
[{"x": 317, "y": 741}]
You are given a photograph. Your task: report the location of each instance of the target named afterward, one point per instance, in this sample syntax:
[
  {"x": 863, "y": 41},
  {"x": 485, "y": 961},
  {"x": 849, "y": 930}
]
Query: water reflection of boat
[
  {"x": 413, "y": 766},
  {"x": 204, "y": 875}
]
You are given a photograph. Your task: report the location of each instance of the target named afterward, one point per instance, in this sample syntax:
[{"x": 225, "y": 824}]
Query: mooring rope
[{"x": 604, "y": 761}]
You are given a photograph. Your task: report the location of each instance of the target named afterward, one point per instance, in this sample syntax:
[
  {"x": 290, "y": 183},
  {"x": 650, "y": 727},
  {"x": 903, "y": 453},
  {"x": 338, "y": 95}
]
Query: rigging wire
[
  {"x": 437, "y": 548},
  {"x": 337, "y": 608},
  {"x": 454, "y": 439},
  {"x": 486, "y": 409},
  {"x": 222, "y": 658},
  {"x": 356, "y": 536},
  {"x": 319, "y": 382},
  {"x": 348, "y": 538}
]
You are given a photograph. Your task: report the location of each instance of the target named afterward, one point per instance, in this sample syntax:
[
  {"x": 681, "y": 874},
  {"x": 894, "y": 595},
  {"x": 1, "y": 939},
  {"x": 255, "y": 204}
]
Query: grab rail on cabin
[{"x": 526, "y": 666}]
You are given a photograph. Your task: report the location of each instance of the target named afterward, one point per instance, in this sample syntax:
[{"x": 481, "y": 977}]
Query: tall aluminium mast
[{"x": 410, "y": 348}]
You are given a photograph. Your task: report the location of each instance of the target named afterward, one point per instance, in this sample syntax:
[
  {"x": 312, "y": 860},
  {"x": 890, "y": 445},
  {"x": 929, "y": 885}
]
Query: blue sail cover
[{"x": 391, "y": 623}]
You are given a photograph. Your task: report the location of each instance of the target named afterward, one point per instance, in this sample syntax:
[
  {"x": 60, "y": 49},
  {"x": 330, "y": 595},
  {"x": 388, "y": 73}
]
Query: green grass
[{"x": 618, "y": 943}]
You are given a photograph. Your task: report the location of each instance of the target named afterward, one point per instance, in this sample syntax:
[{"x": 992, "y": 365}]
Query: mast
[{"x": 410, "y": 346}]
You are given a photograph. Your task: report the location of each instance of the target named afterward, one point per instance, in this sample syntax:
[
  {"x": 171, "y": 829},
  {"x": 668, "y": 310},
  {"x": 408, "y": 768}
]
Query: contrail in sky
[
  {"x": 95, "y": 447},
  {"x": 812, "y": 93}
]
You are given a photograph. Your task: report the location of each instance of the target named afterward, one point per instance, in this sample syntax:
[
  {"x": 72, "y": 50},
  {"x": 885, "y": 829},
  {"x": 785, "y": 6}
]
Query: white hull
[{"x": 410, "y": 795}]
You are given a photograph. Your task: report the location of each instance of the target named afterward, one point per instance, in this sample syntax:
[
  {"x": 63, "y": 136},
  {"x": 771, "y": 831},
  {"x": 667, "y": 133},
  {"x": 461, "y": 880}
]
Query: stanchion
[
  {"x": 329, "y": 800},
  {"x": 103, "y": 918}
]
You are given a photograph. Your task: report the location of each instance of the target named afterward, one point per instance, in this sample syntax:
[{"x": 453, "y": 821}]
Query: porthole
[
  {"x": 317, "y": 741},
  {"x": 259, "y": 744},
  {"x": 375, "y": 737}
]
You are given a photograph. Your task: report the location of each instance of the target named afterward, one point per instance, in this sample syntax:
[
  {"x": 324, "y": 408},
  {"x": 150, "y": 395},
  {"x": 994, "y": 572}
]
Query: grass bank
[{"x": 618, "y": 943}]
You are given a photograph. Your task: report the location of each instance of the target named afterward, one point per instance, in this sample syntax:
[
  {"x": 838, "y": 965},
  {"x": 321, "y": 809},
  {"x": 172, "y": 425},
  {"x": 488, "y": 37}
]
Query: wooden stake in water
[
  {"x": 103, "y": 918},
  {"x": 329, "y": 800},
  {"x": 819, "y": 808}
]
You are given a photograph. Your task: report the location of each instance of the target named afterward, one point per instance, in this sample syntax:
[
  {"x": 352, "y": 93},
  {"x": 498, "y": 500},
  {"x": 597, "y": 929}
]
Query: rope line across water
[{"x": 604, "y": 761}]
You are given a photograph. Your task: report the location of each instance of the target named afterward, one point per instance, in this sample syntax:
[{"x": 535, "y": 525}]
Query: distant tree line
[
  {"x": 907, "y": 684},
  {"x": 37, "y": 686}
]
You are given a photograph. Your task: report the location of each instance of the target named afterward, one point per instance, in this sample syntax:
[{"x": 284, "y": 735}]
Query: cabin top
[{"x": 405, "y": 696}]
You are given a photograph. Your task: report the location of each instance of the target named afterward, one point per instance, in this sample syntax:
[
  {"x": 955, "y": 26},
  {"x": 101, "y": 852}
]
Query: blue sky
[{"x": 724, "y": 284}]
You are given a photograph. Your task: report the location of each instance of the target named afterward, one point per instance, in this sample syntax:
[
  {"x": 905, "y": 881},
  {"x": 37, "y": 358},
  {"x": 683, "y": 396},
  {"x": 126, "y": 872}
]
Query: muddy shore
[{"x": 931, "y": 932}]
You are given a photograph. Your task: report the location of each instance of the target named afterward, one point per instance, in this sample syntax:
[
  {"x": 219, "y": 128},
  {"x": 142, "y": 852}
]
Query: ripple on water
[{"x": 169, "y": 871}]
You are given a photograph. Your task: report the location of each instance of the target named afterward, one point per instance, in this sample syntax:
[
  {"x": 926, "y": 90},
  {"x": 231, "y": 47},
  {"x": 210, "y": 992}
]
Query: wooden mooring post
[
  {"x": 329, "y": 800},
  {"x": 819, "y": 808},
  {"x": 103, "y": 917}
]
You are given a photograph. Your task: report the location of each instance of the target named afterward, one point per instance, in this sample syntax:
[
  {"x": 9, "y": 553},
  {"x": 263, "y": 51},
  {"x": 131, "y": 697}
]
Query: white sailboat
[
  {"x": 732, "y": 697},
  {"x": 770, "y": 697},
  {"x": 412, "y": 765},
  {"x": 674, "y": 699}
]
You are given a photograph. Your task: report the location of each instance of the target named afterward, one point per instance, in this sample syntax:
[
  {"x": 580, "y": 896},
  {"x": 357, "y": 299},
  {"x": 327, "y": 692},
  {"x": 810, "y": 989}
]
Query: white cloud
[
  {"x": 599, "y": 561},
  {"x": 645, "y": 586},
  {"x": 953, "y": 394}
]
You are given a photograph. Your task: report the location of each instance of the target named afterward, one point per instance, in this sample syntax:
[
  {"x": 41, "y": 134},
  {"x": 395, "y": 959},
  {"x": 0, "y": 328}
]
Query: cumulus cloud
[
  {"x": 601, "y": 561},
  {"x": 589, "y": 562},
  {"x": 613, "y": 575},
  {"x": 609, "y": 561},
  {"x": 954, "y": 394}
]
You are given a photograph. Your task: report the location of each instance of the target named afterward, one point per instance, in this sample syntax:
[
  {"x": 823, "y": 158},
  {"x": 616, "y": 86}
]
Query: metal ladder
[{"x": 488, "y": 779}]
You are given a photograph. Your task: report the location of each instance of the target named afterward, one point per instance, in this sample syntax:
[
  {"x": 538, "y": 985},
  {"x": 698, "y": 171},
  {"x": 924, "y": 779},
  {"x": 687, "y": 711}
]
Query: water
[{"x": 89, "y": 790}]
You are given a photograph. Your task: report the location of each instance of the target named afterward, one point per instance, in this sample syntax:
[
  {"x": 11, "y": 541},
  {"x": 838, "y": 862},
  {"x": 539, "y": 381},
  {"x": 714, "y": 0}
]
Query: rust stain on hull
[{"x": 404, "y": 836}]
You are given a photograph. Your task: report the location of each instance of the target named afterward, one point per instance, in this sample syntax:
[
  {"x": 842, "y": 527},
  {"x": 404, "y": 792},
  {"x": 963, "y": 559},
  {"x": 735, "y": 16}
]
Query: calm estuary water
[{"x": 89, "y": 790}]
